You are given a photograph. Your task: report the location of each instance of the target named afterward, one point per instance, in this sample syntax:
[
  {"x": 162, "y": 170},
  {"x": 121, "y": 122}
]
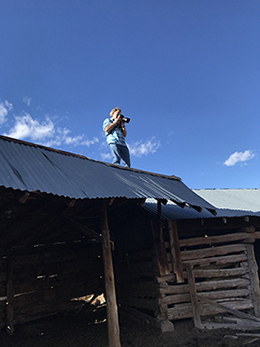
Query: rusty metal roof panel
[{"x": 30, "y": 167}]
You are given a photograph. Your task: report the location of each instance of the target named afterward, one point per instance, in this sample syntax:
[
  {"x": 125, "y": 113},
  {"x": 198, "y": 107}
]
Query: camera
[{"x": 124, "y": 119}]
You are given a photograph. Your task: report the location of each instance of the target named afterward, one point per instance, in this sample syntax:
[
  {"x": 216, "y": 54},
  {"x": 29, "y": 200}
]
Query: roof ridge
[
  {"x": 212, "y": 189},
  {"x": 22, "y": 142}
]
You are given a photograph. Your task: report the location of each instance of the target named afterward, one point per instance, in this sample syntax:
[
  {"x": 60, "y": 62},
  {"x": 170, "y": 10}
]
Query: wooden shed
[
  {"x": 195, "y": 266},
  {"x": 57, "y": 212}
]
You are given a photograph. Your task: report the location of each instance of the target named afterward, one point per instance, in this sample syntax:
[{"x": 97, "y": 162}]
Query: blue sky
[{"x": 186, "y": 72}]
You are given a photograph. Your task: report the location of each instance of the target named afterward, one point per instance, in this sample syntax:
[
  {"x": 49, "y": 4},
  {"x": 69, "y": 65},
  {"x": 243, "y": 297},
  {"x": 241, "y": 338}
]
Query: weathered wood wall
[
  {"x": 41, "y": 280},
  {"x": 221, "y": 273},
  {"x": 207, "y": 275},
  {"x": 135, "y": 280}
]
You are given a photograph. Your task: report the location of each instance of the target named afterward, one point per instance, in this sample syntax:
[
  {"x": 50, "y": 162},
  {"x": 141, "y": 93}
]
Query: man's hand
[
  {"x": 123, "y": 128},
  {"x": 118, "y": 119}
]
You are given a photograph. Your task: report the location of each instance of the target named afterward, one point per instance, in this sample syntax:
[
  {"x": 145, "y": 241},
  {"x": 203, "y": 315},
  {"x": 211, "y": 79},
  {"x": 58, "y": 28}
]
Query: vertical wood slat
[
  {"x": 112, "y": 311},
  {"x": 10, "y": 297},
  {"x": 253, "y": 271},
  {"x": 175, "y": 251},
  {"x": 194, "y": 298},
  {"x": 160, "y": 249}
]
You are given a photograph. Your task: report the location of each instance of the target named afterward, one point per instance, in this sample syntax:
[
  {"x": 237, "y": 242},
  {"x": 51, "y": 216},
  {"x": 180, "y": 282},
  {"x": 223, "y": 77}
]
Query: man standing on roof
[{"x": 115, "y": 130}]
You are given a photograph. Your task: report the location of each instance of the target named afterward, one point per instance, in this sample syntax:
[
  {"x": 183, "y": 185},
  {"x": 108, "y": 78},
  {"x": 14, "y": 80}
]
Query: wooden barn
[
  {"x": 58, "y": 210},
  {"x": 196, "y": 266}
]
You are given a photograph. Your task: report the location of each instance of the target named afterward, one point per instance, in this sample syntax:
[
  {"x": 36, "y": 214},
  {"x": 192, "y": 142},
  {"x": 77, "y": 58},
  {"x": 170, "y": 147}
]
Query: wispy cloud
[
  {"x": 106, "y": 156},
  {"x": 27, "y": 100},
  {"x": 45, "y": 132},
  {"x": 62, "y": 137},
  {"x": 27, "y": 127},
  {"x": 239, "y": 157},
  {"x": 140, "y": 148},
  {"x": 5, "y": 107}
]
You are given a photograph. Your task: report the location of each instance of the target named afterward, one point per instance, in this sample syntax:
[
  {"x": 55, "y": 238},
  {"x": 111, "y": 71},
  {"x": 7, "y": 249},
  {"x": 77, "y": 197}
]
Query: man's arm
[
  {"x": 111, "y": 126},
  {"x": 123, "y": 128}
]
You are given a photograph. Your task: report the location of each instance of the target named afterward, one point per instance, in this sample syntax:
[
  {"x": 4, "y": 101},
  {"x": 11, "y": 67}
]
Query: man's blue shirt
[{"x": 116, "y": 136}]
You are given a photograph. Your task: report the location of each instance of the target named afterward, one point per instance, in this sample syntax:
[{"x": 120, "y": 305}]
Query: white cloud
[
  {"x": 45, "y": 132},
  {"x": 5, "y": 107},
  {"x": 27, "y": 100},
  {"x": 27, "y": 127},
  {"x": 62, "y": 137},
  {"x": 140, "y": 148},
  {"x": 106, "y": 156},
  {"x": 239, "y": 157}
]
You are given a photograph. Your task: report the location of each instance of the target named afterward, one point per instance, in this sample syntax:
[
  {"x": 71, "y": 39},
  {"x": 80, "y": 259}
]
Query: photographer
[{"x": 115, "y": 130}]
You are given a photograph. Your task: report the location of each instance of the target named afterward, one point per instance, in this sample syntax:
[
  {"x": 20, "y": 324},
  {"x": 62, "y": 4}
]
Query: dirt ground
[{"x": 81, "y": 330}]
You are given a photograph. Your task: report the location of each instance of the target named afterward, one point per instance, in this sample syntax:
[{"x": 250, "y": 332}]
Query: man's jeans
[{"x": 120, "y": 152}]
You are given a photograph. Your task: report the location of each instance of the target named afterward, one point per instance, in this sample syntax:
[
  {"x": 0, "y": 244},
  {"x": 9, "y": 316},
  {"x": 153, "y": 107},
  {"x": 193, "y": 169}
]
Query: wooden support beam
[
  {"x": 72, "y": 202},
  {"x": 24, "y": 197},
  {"x": 253, "y": 271},
  {"x": 160, "y": 249},
  {"x": 161, "y": 253},
  {"x": 194, "y": 298},
  {"x": 112, "y": 311},
  {"x": 111, "y": 201},
  {"x": 175, "y": 251},
  {"x": 10, "y": 298}
]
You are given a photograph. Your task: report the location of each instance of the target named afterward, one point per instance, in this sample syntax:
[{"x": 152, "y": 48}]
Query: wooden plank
[
  {"x": 226, "y": 308},
  {"x": 112, "y": 311},
  {"x": 212, "y": 251},
  {"x": 214, "y": 295},
  {"x": 64, "y": 291},
  {"x": 167, "y": 278},
  {"x": 224, "y": 260},
  {"x": 185, "y": 310},
  {"x": 214, "y": 273},
  {"x": 194, "y": 299},
  {"x": 245, "y": 326},
  {"x": 253, "y": 270},
  {"x": 217, "y": 239},
  {"x": 207, "y": 285},
  {"x": 175, "y": 250},
  {"x": 160, "y": 249},
  {"x": 10, "y": 298}
]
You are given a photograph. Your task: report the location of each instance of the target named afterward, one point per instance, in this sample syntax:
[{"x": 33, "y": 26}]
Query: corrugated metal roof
[
  {"x": 29, "y": 167},
  {"x": 234, "y": 199},
  {"x": 229, "y": 203},
  {"x": 173, "y": 211}
]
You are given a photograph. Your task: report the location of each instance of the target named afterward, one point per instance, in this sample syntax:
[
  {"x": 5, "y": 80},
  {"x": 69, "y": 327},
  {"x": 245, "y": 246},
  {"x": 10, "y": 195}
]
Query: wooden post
[
  {"x": 10, "y": 298},
  {"x": 112, "y": 312},
  {"x": 194, "y": 298},
  {"x": 160, "y": 249},
  {"x": 175, "y": 251},
  {"x": 253, "y": 271}
]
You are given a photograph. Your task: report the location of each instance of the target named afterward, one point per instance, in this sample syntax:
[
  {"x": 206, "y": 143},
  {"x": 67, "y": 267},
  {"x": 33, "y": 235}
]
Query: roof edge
[{"x": 22, "y": 142}]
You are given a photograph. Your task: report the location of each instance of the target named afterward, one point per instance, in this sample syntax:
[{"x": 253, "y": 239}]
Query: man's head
[{"x": 115, "y": 112}]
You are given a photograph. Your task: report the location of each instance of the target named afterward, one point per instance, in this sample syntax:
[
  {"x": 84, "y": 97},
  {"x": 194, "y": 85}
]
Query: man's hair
[{"x": 114, "y": 110}]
